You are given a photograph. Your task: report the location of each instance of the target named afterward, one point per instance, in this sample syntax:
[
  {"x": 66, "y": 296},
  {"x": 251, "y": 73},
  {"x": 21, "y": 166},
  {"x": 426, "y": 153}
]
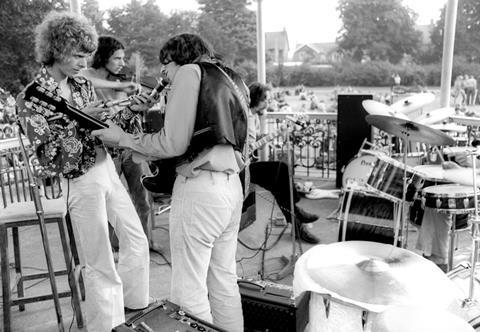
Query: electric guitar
[
  {"x": 45, "y": 98},
  {"x": 163, "y": 171}
]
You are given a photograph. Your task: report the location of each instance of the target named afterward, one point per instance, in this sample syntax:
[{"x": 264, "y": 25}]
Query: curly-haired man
[{"x": 94, "y": 193}]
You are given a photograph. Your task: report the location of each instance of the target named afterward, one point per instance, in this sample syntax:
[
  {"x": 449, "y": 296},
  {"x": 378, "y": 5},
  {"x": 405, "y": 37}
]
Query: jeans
[
  {"x": 204, "y": 223},
  {"x": 95, "y": 199}
]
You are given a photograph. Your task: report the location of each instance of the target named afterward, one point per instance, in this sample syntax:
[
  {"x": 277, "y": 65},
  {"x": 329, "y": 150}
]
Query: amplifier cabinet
[
  {"x": 165, "y": 316},
  {"x": 271, "y": 307}
]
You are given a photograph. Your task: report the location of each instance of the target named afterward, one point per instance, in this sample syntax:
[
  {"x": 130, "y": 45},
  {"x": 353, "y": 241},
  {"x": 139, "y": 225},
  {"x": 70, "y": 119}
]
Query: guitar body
[{"x": 163, "y": 176}]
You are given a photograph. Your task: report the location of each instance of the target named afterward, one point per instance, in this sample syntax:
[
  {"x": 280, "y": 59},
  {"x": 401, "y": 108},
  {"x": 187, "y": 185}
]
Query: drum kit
[{"x": 369, "y": 286}]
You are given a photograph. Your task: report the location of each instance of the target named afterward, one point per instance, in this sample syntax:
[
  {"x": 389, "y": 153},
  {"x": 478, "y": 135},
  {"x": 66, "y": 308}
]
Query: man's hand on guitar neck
[{"x": 110, "y": 136}]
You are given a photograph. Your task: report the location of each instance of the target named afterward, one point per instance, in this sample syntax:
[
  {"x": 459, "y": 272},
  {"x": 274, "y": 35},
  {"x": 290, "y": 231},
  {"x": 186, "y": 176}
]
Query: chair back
[{"x": 15, "y": 185}]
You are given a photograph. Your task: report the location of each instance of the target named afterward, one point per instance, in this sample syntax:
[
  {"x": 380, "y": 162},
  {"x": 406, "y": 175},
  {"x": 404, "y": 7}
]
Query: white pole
[
  {"x": 75, "y": 6},
  {"x": 448, "y": 46},
  {"x": 261, "y": 73},
  {"x": 261, "y": 76}
]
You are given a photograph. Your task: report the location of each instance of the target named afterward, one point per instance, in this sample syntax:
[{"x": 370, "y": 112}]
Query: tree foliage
[
  {"x": 377, "y": 29},
  {"x": 18, "y": 19},
  {"x": 230, "y": 26},
  {"x": 467, "y": 32}
]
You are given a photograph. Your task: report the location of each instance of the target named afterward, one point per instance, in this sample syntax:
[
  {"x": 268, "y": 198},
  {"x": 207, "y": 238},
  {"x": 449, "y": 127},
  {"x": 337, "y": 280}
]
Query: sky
[{"x": 305, "y": 21}]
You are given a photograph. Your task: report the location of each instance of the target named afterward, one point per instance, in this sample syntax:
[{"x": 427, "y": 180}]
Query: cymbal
[
  {"x": 435, "y": 116},
  {"x": 461, "y": 175},
  {"x": 376, "y": 108},
  {"x": 414, "y": 318},
  {"x": 409, "y": 130},
  {"x": 450, "y": 127},
  {"x": 376, "y": 274},
  {"x": 413, "y": 102}
]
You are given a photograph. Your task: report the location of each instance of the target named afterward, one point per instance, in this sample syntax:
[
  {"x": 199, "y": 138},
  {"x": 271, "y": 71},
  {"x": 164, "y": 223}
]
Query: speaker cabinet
[
  {"x": 270, "y": 307},
  {"x": 352, "y": 129}
]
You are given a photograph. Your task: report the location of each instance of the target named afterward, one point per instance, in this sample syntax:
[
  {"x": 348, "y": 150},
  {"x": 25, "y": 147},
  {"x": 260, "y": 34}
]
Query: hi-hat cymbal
[
  {"x": 409, "y": 130},
  {"x": 402, "y": 318},
  {"x": 376, "y": 108},
  {"x": 435, "y": 116},
  {"x": 413, "y": 102},
  {"x": 376, "y": 274}
]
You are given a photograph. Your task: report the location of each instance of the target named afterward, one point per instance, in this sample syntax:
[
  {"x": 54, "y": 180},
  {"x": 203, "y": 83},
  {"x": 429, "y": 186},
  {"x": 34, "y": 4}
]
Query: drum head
[
  {"x": 430, "y": 172},
  {"x": 449, "y": 190},
  {"x": 358, "y": 170}
]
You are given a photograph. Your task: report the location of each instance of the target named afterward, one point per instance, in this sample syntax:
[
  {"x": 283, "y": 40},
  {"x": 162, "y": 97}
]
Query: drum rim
[{"x": 425, "y": 191}]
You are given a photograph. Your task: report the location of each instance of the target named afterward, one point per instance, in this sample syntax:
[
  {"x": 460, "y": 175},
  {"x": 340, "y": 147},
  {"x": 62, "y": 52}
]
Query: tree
[
  {"x": 18, "y": 19},
  {"x": 91, "y": 10},
  {"x": 230, "y": 27},
  {"x": 467, "y": 32},
  {"x": 182, "y": 22},
  {"x": 377, "y": 29},
  {"x": 143, "y": 28}
]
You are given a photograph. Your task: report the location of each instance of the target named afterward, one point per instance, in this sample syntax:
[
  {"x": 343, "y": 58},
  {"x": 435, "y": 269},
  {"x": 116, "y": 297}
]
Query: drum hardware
[{"x": 408, "y": 131}]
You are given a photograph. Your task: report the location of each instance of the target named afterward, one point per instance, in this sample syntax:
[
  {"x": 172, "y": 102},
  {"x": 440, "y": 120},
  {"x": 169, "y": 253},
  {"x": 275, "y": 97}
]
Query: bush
[{"x": 371, "y": 73}]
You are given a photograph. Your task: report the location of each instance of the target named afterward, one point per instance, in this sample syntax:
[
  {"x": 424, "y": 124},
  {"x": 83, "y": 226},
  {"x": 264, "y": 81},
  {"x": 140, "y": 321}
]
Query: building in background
[{"x": 276, "y": 46}]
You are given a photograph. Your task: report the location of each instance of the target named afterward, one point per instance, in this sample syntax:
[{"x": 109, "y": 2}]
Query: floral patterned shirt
[{"x": 61, "y": 145}]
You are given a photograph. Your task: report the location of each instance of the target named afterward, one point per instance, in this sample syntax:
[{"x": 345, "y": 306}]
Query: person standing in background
[{"x": 108, "y": 61}]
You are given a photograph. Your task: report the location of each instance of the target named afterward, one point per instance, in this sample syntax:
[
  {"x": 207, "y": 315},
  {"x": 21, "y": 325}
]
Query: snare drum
[
  {"x": 387, "y": 176},
  {"x": 450, "y": 198}
]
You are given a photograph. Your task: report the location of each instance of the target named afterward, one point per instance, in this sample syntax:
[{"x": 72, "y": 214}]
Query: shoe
[
  {"x": 304, "y": 216},
  {"x": 304, "y": 235}
]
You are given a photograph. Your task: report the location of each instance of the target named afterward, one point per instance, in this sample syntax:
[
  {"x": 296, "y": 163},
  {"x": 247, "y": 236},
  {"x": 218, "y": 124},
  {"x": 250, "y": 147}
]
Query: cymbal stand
[
  {"x": 403, "y": 224},
  {"x": 470, "y": 301},
  {"x": 290, "y": 262}
]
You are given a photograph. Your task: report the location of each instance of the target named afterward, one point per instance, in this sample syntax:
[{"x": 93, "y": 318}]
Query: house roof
[
  {"x": 317, "y": 47},
  {"x": 276, "y": 39}
]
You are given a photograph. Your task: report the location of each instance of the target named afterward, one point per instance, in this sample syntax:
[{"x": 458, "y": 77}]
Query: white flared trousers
[{"x": 94, "y": 199}]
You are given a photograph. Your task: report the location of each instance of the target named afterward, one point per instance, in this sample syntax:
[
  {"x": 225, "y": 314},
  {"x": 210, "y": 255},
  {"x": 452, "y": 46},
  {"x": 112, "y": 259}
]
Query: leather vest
[{"x": 220, "y": 117}]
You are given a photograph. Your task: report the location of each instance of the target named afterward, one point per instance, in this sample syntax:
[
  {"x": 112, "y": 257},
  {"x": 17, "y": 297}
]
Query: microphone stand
[
  {"x": 290, "y": 262},
  {"x": 43, "y": 231}
]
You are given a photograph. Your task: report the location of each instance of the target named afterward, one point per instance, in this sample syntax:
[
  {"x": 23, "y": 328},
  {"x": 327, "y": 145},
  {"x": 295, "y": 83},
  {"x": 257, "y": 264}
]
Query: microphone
[
  {"x": 162, "y": 84},
  {"x": 297, "y": 122}
]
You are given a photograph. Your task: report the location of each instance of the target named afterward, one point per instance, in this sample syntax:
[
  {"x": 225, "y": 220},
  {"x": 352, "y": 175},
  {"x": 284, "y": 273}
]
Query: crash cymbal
[
  {"x": 409, "y": 130},
  {"x": 376, "y": 108},
  {"x": 450, "y": 127},
  {"x": 403, "y": 318},
  {"x": 462, "y": 175},
  {"x": 435, "y": 116},
  {"x": 376, "y": 274},
  {"x": 413, "y": 102}
]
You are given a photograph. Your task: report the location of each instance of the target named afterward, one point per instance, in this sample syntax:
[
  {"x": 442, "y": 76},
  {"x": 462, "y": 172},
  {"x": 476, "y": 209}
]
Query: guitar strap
[{"x": 245, "y": 150}]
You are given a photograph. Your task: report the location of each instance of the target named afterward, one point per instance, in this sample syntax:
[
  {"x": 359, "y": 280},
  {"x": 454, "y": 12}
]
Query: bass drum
[
  {"x": 358, "y": 170},
  {"x": 461, "y": 277}
]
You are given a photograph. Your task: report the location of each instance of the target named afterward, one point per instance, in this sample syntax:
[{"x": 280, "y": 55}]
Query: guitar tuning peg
[
  {"x": 57, "y": 98},
  {"x": 43, "y": 104},
  {"x": 51, "y": 107},
  {"x": 34, "y": 99}
]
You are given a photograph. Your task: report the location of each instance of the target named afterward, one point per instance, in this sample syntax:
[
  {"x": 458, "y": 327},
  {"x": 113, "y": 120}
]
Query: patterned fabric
[{"x": 61, "y": 145}]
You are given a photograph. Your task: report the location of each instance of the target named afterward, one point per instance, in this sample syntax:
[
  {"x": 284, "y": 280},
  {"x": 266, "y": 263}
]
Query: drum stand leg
[
  {"x": 451, "y": 246},
  {"x": 397, "y": 215},
  {"x": 470, "y": 301}
]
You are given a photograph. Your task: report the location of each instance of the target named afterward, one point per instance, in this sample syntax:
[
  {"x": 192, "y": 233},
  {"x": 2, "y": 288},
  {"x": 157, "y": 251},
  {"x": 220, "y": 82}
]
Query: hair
[
  {"x": 185, "y": 48},
  {"x": 61, "y": 34},
  {"x": 107, "y": 45},
  {"x": 258, "y": 93}
]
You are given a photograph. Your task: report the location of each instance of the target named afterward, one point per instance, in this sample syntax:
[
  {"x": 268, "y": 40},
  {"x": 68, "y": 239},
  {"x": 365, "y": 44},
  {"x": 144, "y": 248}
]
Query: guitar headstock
[{"x": 45, "y": 98}]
